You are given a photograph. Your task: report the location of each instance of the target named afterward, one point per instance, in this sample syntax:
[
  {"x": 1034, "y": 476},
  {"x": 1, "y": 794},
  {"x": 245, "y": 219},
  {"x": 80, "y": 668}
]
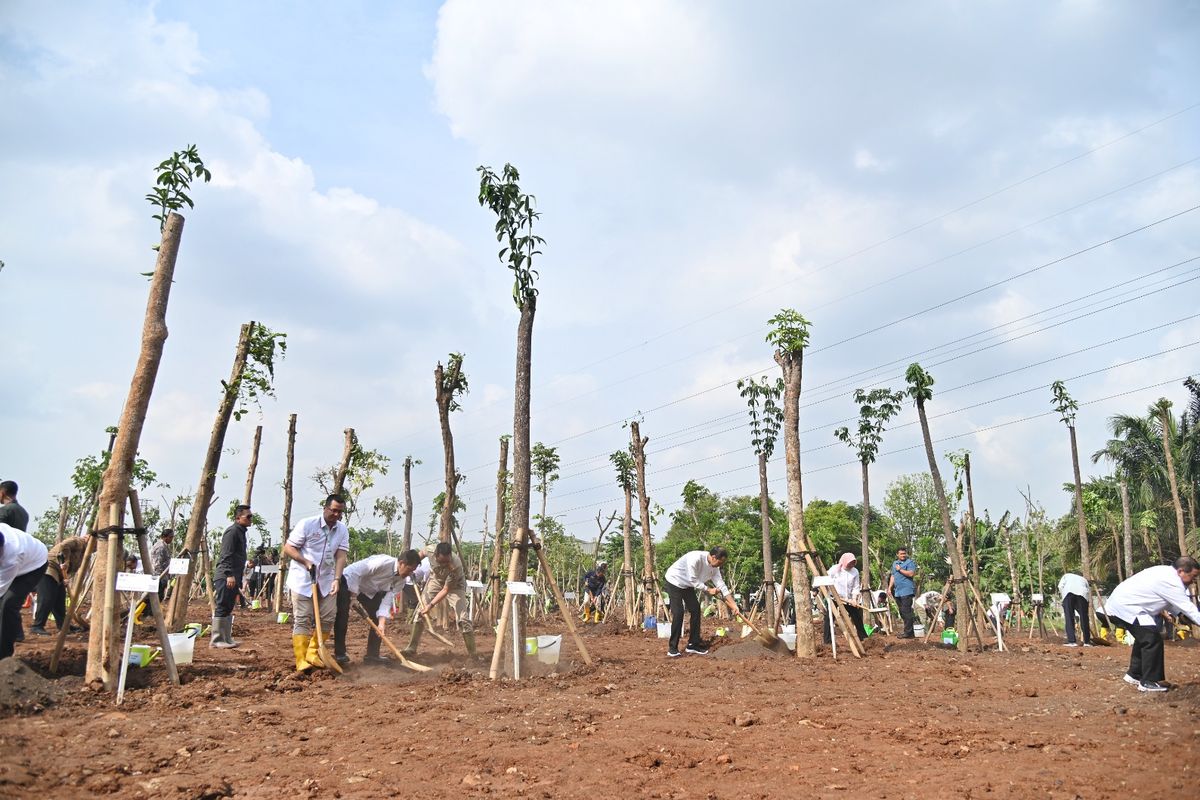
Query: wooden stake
[
  {"x": 562, "y": 604},
  {"x": 160, "y": 622},
  {"x": 287, "y": 511},
  {"x": 253, "y": 466}
]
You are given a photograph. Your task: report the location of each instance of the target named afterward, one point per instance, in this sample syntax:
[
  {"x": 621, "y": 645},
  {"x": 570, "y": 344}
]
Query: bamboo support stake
[
  {"x": 562, "y": 604},
  {"x": 287, "y": 511},
  {"x": 108, "y": 621},
  {"x": 246, "y": 494},
  {"x": 152, "y": 598}
]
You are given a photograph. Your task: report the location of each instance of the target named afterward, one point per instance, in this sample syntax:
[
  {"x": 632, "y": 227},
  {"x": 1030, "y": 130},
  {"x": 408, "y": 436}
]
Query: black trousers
[
  {"x": 1146, "y": 662},
  {"x": 225, "y": 597},
  {"x": 10, "y": 607},
  {"x": 52, "y": 599},
  {"x": 906, "y": 612},
  {"x": 341, "y": 622},
  {"x": 682, "y": 599},
  {"x": 856, "y": 616},
  {"x": 1074, "y": 604}
]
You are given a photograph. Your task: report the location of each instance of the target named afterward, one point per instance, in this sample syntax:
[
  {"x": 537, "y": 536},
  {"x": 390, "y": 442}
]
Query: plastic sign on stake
[
  {"x": 179, "y": 566},
  {"x": 521, "y": 588},
  {"x": 136, "y": 582}
]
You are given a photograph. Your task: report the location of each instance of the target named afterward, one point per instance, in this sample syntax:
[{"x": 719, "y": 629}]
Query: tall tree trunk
[
  {"x": 62, "y": 521},
  {"x": 198, "y": 523},
  {"x": 764, "y": 510},
  {"x": 649, "y": 579},
  {"x": 864, "y": 528},
  {"x": 445, "y": 397},
  {"x": 1166, "y": 442},
  {"x": 957, "y": 567},
  {"x": 971, "y": 520},
  {"x": 286, "y": 522},
  {"x": 792, "y": 365},
  {"x": 408, "y": 504},
  {"x": 631, "y": 615},
  {"x": 103, "y": 659},
  {"x": 518, "y": 566},
  {"x": 498, "y": 553},
  {"x": 339, "y": 477},
  {"x": 249, "y": 491},
  {"x": 1085, "y": 552},
  {"x": 1006, "y": 535}
]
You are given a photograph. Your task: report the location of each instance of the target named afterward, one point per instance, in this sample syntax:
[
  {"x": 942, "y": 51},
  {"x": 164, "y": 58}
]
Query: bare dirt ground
[{"x": 908, "y": 721}]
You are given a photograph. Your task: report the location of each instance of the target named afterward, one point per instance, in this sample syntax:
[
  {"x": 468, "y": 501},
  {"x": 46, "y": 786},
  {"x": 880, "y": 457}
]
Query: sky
[{"x": 1007, "y": 192}]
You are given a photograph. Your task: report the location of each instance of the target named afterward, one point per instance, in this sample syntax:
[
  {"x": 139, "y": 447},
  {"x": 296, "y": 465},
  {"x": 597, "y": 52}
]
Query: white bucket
[
  {"x": 789, "y": 629},
  {"x": 182, "y": 647},
  {"x": 547, "y": 649},
  {"x": 789, "y": 637},
  {"x": 918, "y": 629},
  {"x": 664, "y": 630}
]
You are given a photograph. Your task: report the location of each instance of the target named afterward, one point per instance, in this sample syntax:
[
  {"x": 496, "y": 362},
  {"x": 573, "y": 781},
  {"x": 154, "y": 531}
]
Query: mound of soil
[
  {"x": 750, "y": 649},
  {"x": 22, "y": 689}
]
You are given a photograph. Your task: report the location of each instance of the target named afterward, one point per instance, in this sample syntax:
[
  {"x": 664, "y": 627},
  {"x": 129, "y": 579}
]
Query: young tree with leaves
[
  {"x": 762, "y": 400},
  {"x": 920, "y": 389},
  {"x": 251, "y": 379},
  {"x": 1163, "y": 410},
  {"x": 875, "y": 408},
  {"x": 622, "y": 462},
  {"x": 789, "y": 336},
  {"x": 1067, "y": 408},
  {"x": 544, "y": 465},
  {"x": 961, "y": 461},
  {"x": 650, "y": 591},
  {"x": 450, "y": 384},
  {"x": 515, "y": 217},
  {"x": 169, "y": 195},
  {"x": 409, "y": 463}
]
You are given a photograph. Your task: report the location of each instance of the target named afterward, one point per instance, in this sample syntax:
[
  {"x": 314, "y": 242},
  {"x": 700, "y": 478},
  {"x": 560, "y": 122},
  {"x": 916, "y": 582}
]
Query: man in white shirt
[
  {"x": 694, "y": 571},
  {"x": 1074, "y": 591},
  {"x": 22, "y": 563},
  {"x": 317, "y": 547},
  {"x": 374, "y": 581},
  {"x": 1135, "y": 605}
]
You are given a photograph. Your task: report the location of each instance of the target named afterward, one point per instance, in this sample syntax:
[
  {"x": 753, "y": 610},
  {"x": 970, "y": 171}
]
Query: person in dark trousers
[
  {"x": 63, "y": 561},
  {"x": 22, "y": 563},
  {"x": 1135, "y": 605},
  {"x": 904, "y": 589},
  {"x": 374, "y": 581},
  {"x": 593, "y": 591},
  {"x": 231, "y": 567},
  {"x": 160, "y": 561},
  {"x": 1074, "y": 591},
  {"x": 694, "y": 571},
  {"x": 11, "y": 512}
]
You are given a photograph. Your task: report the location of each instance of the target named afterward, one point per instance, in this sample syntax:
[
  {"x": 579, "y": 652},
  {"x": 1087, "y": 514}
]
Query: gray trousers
[{"x": 303, "y": 621}]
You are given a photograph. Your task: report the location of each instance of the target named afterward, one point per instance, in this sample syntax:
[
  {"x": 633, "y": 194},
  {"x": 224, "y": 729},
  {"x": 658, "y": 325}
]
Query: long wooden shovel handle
[
  {"x": 404, "y": 662},
  {"x": 325, "y": 657},
  {"x": 423, "y": 610}
]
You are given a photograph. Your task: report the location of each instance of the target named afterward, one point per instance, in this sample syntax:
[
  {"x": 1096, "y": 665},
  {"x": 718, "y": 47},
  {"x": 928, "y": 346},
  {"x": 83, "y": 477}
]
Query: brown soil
[
  {"x": 908, "y": 721},
  {"x": 22, "y": 689}
]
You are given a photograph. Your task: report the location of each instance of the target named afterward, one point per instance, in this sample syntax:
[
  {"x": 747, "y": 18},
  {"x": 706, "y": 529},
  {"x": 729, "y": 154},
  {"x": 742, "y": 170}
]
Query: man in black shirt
[
  {"x": 228, "y": 578},
  {"x": 11, "y": 512}
]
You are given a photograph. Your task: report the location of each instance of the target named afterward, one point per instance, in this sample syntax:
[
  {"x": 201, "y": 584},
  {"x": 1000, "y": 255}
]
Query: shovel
[
  {"x": 326, "y": 659},
  {"x": 424, "y": 612},
  {"x": 404, "y": 662},
  {"x": 766, "y": 638}
]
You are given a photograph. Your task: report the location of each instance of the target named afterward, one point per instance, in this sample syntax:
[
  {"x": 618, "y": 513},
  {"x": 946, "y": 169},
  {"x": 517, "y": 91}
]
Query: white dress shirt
[
  {"x": 372, "y": 575},
  {"x": 1070, "y": 583},
  {"x": 693, "y": 570},
  {"x": 21, "y": 553},
  {"x": 1141, "y": 597},
  {"x": 421, "y": 573},
  {"x": 319, "y": 543}
]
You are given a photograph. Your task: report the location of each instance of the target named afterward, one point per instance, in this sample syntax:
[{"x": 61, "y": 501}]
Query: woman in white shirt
[{"x": 846, "y": 583}]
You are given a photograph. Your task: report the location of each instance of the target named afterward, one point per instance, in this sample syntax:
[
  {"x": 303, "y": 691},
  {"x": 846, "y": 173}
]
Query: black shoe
[
  {"x": 76, "y": 629},
  {"x": 673, "y": 654},
  {"x": 907, "y": 636},
  {"x": 342, "y": 658},
  {"x": 696, "y": 649},
  {"x": 376, "y": 659},
  {"x": 38, "y": 630}
]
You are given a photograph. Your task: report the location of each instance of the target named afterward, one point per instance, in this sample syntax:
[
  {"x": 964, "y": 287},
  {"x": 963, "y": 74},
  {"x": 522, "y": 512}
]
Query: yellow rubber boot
[
  {"x": 313, "y": 655},
  {"x": 299, "y": 649},
  {"x": 137, "y": 614}
]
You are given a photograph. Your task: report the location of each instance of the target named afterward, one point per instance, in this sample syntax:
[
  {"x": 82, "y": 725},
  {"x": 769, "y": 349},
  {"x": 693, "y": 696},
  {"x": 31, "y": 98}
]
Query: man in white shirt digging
[
  {"x": 1135, "y": 605},
  {"x": 373, "y": 581},
  {"x": 694, "y": 571}
]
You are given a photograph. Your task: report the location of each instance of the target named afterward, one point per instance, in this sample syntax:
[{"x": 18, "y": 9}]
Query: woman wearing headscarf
[{"x": 846, "y": 584}]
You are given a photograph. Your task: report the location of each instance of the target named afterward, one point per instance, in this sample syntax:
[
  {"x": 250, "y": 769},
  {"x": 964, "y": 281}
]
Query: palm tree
[
  {"x": 1167, "y": 427},
  {"x": 1115, "y": 453}
]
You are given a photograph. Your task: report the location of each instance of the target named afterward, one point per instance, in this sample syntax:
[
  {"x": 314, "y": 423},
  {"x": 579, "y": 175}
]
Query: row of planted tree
[{"x": 1143, "y": 478}]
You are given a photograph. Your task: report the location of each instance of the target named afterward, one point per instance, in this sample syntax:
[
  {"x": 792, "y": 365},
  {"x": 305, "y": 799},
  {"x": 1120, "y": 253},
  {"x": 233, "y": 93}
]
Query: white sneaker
[
  {"x": 1070, "y": 644},
  {"x": 1130, "y": 680},
  {"x": 1151, "y": 686}
]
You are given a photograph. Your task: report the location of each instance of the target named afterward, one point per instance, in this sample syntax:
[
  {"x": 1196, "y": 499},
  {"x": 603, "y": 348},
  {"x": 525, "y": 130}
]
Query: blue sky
[{"x": 698, "y": 165}]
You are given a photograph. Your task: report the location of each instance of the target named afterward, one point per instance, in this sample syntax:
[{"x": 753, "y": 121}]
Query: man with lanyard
[
  {"x": 1135, "y": 605},
  {"x": 593, "y": 589},
  {"x": 904, "y": 588},
  {"x": 231, "y": 567},
  {"x": 447, "y": 581},
  {"x": 374, "y": 581},
  {"x": 317, "y": 547},
  {"x": 694, "y": 571}
]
